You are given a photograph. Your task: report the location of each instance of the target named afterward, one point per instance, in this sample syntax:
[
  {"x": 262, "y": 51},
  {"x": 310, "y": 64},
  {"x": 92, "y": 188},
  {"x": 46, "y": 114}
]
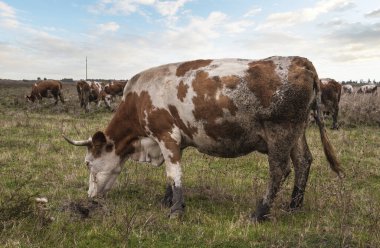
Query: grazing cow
[
  {"x": 115, "y": 88},
  {"x": 368, "y": 89},
  {"x": 92, "y": 92},
  {"x": 347, "y": 88},
  {"x": 226, "y": 108},
  {"x": 48, "y": 89},
  {"x": 330, "y": 96}
]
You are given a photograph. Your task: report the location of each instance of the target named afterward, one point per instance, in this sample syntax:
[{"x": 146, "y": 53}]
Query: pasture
[{"x": 220, "y": 194}]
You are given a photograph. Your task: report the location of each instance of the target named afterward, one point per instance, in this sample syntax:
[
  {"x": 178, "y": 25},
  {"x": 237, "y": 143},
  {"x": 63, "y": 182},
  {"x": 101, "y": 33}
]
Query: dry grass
[{"x": 359, "y": 109}]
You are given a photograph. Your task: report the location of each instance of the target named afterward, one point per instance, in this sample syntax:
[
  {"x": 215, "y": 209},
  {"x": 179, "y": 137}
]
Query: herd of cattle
[
  {"x": 225, "y": 108},
  {"x": 88, "y": 91},
  {"x": 93, "y": 91}
]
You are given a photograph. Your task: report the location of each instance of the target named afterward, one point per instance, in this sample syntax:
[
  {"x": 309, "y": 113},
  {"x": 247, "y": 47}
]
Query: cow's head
[{"x": 105, "y": 164}]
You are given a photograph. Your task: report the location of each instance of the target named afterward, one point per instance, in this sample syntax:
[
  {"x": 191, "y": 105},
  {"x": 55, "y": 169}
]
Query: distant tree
[
  {"x": 38, "y": 78},
  {"x": 45, "y": 78}
]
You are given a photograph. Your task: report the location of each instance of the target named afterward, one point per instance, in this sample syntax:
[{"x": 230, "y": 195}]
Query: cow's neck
[{"x": 124, "y": 129}]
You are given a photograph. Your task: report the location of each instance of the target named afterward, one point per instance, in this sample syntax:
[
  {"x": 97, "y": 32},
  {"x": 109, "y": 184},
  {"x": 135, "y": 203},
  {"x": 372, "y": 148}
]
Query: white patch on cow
[
  {"x": 99, "y": 85},
  {"x": 227, "y": 67},
  {"x": 325, "y": 80},
  {"x": 176, "y": 134},
  {"x": 174, "y": 172},
  {"x": 282, "y": 67}
]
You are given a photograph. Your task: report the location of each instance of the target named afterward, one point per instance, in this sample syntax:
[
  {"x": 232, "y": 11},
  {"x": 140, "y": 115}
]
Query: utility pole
[{"x": 86, "y": 67}]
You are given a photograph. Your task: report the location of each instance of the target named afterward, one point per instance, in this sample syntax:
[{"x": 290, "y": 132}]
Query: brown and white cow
[
  {"x": 115, "y": 88},
  {"x": 368, "y": 89},
  {"x": 92, "y": 92},
  {"x": 347, "y": 88},
  {"x": 225, "y": 108},
  {"x": 48, "y": 89},
  {"x": 330, "y": 96}
]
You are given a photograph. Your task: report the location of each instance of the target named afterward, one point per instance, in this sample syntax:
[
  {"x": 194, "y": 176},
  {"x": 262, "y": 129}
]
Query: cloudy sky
[{"x": 51, "y": 38}]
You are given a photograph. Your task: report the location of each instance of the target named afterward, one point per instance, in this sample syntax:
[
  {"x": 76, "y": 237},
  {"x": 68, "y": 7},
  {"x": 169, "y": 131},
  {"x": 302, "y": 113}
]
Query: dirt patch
[{"x": 84, "y": 208}]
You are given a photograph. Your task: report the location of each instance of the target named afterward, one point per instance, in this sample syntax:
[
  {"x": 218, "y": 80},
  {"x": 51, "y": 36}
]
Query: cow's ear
[{"x": 99, "y": 139}]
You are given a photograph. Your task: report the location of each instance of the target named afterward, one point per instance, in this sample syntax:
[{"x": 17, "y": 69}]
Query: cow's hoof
[
  {"x": 176, "y": 215},
  {"x": 167, "y": 202},
  {"x": 259, "y": 218}
]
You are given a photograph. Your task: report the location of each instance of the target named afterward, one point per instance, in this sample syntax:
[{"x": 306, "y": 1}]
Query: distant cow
[
  {"x": 347, "y": 88},
  {"x": 48, "y": 89},
  {"x": 368, "y": 89},
  {"x": 91, "y": 92},
  {"x": 330, "y": 97},
  {"x": 115, "y": 88},
  {"x": 226, "y": 108}
]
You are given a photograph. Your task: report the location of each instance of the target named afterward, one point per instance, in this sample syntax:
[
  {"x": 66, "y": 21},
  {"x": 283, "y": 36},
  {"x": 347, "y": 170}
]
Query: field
[{"x": 220, "y": 194}]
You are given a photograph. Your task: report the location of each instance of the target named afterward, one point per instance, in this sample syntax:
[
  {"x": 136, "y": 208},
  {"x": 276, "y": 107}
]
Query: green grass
[{"x": 220, "y": 193}]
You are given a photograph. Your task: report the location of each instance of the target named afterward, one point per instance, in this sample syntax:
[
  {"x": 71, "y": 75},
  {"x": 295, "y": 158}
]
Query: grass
[{"x": 220, "y": 193}]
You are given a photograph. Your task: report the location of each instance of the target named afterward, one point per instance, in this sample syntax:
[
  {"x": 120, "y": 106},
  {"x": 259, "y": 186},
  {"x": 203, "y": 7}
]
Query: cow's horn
[{"x": 77, "y": 142}]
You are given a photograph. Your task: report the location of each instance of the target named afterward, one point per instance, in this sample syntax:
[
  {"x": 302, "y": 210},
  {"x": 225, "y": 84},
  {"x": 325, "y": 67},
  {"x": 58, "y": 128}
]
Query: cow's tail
[{"x": 327, "y": 147}]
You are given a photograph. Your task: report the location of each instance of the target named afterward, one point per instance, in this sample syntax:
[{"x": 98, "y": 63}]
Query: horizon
[{"x": 123, "y": 37}]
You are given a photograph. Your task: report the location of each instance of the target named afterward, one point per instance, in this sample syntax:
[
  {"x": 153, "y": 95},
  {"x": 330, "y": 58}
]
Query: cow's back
[{"x": 220, "y": 105}]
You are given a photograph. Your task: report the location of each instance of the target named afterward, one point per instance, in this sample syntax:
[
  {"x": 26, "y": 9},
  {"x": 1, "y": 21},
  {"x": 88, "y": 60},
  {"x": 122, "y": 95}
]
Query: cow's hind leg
[
  {"x": 301, "y": 158},
  {"x": 168, "y": 197},
  {"x": 170, "y": 148},
  {"x": 335, "y": 117},
  {"x": 280, "y": 140}
]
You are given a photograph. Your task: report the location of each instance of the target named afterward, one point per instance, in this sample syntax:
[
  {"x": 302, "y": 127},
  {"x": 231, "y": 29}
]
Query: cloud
[
  {"x": 127, "y": 7},
  {"x": 8, "y": 17},
  {"x": 240, "y": 26},
  {"x": 253, "y": 12},
  {"x": 305, "y": 15},
  {"x": 108, "y": 27},
  {"x": 169, "y": 8},
  {"x": 375, "y": 13},
  {"x": 354, "y": 41},
  {"x": 197, "y": 33}
]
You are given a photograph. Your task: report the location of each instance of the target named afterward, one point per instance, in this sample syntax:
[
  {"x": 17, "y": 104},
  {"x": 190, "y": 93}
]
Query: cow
[
  {"x": 347, "y": 88},
  {"x": 224, "y": 107},
  {"x": 115, "y": 88},
  {"x": 48, "y": 89},
  {"x": 368, "y": 89},
  {"x": 330, "y": 97},
  {"x": 92, "y": 92}
]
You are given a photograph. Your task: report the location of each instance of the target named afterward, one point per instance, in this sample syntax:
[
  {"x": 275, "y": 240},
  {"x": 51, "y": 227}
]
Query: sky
[{"x": 52, "y": 38}]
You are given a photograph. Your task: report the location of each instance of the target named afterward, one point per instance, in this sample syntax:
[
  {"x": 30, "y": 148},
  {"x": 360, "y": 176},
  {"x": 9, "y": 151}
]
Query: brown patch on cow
[
  {"x": 182, "y": 91},
  {"x": 125, "y": 126},
  {"x": 263, "y": 80},
  {"x": 230, "y": 81},
  {"x": 98, "y": 142},
  {"x": 115, "y": 88},
  {"x": 191, "y": 65},
  {"x": 187, "y": 129},
  {"x": 208, "y": 106},
  {"x": 135, "y": 115}
]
